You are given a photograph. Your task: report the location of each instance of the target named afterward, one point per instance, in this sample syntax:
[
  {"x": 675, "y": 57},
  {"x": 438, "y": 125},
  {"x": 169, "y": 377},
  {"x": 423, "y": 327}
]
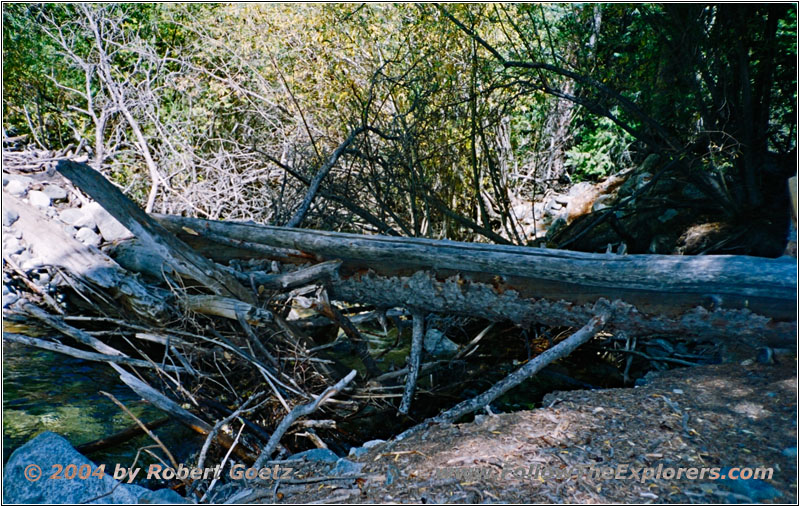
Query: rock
[
  {"x": 667, "y": 215},
  {"x": 366, "y": 446},
  {"x": 602, "y": 202},
  {"x": 357, "y": 451},
  {"x": 323, "y": 455},
  {"x": 49, "y": 449},
  {"x": 162, "y": 496},
  {"x": 373, "y": 443},
  {"x": 16, "y": 187},
  {"x": 561, "y": 199},
  {"x": 11, "y": 245},
  {"x": 552, "y": 207},
  {"x": 88, "y": 237},
  {"x": 438, "y": 345},
  {"x": 55, "y": 192},
  {"x": 26, "y": 181},
  {"x": 9, "y": 217},
  {"x": 345, "y": 467},
  {"x": 9, "y": 299},
  {"x": 77, "y": 217},
  {"x": 579, "y": 189},
  {"x": 110, "y": 228},
  {"x": 39, "y": 198},
  {"x": 756, "y": 490}
]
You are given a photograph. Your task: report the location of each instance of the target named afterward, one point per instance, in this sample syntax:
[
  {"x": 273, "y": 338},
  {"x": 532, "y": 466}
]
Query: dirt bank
[{"x": 712, "y": 416}]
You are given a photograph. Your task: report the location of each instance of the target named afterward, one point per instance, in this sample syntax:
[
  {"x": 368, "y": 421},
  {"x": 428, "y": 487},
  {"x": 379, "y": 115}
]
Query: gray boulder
[
  {"x": 110, "y": 228},
  {"x": 88, "y": 237},
  {"x": 345, "y": 467},
  {"x": 9, "y": 217},
  {"x": 161, "y": 496},
  {"x": 55, "y": 192},
  {"x": 16, "y": 187},
  {"x": 39, "y": 198},
  {"x": 26, "y": 181},
  {"x": 323, "y": 455},
  {"x": 77, "y": 217},
  {"x": 437, "y": 344},
  {"x": 49, "y": 449}
]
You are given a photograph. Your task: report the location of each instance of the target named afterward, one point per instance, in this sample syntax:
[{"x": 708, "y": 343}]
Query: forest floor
[{"x": 728, "y": 415}]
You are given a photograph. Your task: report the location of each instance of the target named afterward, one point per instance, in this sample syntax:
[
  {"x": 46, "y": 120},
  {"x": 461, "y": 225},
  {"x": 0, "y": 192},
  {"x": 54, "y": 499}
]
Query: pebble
[
  {"x": 88, "y": 237},
  {"x": 55, "y": 192},
  {"x": 9, "y": 217},
  {"x": 39, "y": 198}
]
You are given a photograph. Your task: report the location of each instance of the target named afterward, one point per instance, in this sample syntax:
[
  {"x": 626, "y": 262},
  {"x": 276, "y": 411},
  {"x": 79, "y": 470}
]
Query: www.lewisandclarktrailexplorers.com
[{"x": 596, "y": 472}]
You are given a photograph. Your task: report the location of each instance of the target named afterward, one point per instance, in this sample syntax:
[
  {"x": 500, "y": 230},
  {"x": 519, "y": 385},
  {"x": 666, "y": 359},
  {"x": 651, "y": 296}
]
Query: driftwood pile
[{"x": 192, "y": 313}]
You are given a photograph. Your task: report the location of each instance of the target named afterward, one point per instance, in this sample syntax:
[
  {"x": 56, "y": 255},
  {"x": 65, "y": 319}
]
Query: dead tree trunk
[{"x": 703, "y": 296}]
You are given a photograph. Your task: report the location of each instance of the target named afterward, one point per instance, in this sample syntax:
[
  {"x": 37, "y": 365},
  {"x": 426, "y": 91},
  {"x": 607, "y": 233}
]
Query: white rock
[
  {"x": 77, "y": 217},
  {"x": 39, "y": 198},
  {"x": 25, "y": 180},
  {"x": 109, "y": 227},
  {"x": 9, "y": 217},
  {"x": 55, "y": 192},
  {"x": 16, "y": 187},
  {"x": 11, "y": 245},
  {"x": 88, "y": 237}
]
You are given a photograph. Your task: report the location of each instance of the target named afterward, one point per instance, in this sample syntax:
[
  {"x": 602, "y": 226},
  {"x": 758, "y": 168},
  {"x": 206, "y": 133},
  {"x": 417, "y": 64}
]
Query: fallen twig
[
  {"x": 413, "y": 363},
  {"x": 300, "y": 411}
]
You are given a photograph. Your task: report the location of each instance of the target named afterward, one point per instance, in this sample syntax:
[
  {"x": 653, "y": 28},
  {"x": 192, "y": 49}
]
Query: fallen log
[
  {"x": 174, "y": 253},
  {"x": 52, "y": 246},
  {"x": 701, "y": 297}
]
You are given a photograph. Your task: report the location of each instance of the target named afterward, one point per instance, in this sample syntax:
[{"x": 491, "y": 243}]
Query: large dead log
[
  {"x": 51, "y": 245},
  {"x": 702, "y": 296},
  {"x": 174, "y": 253}
]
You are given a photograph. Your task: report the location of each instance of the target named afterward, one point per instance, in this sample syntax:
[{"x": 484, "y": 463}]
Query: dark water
[{"x": 47, "y": 391}]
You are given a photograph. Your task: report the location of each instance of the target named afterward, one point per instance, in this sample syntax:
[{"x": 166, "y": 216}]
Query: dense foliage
[{"x": 456, "y": 113}]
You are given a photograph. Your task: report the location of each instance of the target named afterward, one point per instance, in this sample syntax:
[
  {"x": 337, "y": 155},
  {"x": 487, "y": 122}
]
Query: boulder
[
  {"x": 77, "y": 217},
  {"x": 55, "y": 193},
  {"x": 323, "y": 455},
  {"x": 345, "y": 467},
  {"x": 9, "y": 217},
  {"x": 438, "y": 345},
  {"x": 110, "y": 228},
  {"x": 49, "y": 449},
  {"x": 16, "y": 187},
  {"x": 39, "y": 198},
  {"x": 161, "y": 496},
  {"x": 25, "y": 181},
  {"x": 88, "y": 237},
  {"x": 11, "y": 245}
]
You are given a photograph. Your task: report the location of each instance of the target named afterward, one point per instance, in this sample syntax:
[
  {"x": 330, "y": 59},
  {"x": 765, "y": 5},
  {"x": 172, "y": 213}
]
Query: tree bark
[{"x": 704, "y": 296}]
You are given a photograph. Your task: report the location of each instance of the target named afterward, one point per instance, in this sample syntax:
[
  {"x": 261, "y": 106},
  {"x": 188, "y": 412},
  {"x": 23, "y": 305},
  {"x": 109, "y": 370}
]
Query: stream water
[{"x": 47, "y": 391}]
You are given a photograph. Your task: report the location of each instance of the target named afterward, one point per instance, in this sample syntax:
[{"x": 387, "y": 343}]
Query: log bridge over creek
[{"x": 722, "y": 298}]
